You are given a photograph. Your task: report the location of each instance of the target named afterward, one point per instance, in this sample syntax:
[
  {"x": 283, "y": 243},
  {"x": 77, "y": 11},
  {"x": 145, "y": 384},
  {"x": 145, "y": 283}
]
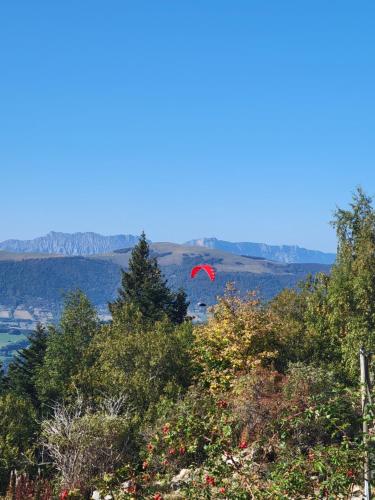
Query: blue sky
[{"x": 246, "y": 120}]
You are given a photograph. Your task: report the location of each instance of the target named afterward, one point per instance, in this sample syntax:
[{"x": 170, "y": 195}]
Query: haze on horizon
[{"x": 247, "y": 121}]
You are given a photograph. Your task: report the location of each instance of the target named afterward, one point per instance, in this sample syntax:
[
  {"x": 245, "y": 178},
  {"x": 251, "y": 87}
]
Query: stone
[{"x": 183, "y": 477}]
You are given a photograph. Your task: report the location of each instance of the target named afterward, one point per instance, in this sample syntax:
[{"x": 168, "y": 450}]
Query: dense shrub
[
  {"x": 138, "y": 359},
  {"x": 83, "y": 444},
  {"x": 18, "y": 433},
  {"x": 238, "y": 337}
]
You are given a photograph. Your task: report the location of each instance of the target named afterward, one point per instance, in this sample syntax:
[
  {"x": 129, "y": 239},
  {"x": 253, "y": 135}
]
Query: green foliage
[
  {"x": 333, "y": 316},
  {"x": 289, "y": 306},
  {"x": 3, "y": 380},
  {"x": 18, "y": 431},
  {"x": 144, "y": 286},
  {"x": 23, "y": 370},
  {"x": 325, "y": 472},
  {"x": 321, "y": 410},
  {"x": 352, "y": 285},
  {"x": 67, "y": 347},
  {"x": 188, "y": 432},
  {"x": 140, "y": 360}
]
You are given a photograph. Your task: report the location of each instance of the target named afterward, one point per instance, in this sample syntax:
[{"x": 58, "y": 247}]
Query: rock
[
  {"x": 96, "y": 495},
  {"x": 230, "y": 460},
  {"x": 183, "y": 477},
  {"x": 357, "y": 492}
]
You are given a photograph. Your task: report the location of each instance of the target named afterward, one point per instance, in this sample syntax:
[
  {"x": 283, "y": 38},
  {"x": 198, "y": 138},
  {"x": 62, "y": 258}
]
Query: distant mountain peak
[
  {"x": 87, "y": 243},
  {"x": 281, "y": 253},
  {"x": 90, "y": 243}
]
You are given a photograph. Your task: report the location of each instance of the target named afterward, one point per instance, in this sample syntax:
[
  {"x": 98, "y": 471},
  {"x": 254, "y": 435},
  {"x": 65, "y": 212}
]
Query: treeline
[{"x": 260, "y": 402}]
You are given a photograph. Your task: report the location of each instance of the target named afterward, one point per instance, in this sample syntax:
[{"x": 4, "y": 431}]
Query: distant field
[
  {"x": 6, "y": 338},
  {"x": 9, "y": 344}
]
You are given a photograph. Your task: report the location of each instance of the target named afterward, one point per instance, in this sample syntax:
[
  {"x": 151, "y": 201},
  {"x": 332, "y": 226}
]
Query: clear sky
[{"x": 246, "y": 120}]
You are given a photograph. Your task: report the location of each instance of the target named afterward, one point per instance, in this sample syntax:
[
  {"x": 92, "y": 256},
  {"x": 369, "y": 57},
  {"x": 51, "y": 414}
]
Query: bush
[
  {"x": 238, "y": 337},
  {"x": 325, "y": 472},
  {"x": 321, "y": 410},
  {"x": 141, "y": 360},
  {"x": 18, "y": 431},
  {"x": 188, "y": 432},
  {"x": 83, "y": 444}
]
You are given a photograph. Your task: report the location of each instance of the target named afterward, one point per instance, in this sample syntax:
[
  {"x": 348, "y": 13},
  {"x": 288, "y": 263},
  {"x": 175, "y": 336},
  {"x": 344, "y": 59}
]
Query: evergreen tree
[
  {"x": 67, "y": 348},
  {"x": 3, "y": 379},
  {"x": 144, "y": 286},
  {"x": 18, "y": 435},
  {"x": 179, "y": 307},
  {"x": 24, "y": 367}
]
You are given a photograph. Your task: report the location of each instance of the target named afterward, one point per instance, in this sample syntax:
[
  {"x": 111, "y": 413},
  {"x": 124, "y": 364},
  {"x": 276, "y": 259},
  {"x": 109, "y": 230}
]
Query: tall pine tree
[
  {"x": 24, "y": 368},
  {"x": 144, "y": 286}
]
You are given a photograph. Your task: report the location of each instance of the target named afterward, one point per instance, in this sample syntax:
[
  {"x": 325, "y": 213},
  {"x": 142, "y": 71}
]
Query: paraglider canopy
[{"x": 205, "y": 267}]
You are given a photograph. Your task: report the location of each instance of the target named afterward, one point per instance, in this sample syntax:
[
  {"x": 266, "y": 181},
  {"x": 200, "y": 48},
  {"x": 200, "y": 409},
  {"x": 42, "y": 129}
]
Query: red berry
[
  {"x": 166, "y": 428},
  {"x": 222, "y": 403},
  {"x": 243, "y": 445},
  {"x": 172, "y": 451},
  {"x": 145, "y": 465},
  {"x": 222, "y": 490},
  {"x": 210, "y": 480}
]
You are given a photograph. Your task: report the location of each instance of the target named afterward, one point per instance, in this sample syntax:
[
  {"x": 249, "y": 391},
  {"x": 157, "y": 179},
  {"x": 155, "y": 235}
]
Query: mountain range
[
  {"x": 90, "y": 243},
  {"x": 280, "y": 253},
  {"x": 70, "y": 244}
]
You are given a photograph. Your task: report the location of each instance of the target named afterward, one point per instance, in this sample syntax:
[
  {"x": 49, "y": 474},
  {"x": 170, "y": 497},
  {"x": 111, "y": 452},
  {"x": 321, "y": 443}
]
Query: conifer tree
[
  {"x": 23, "y": 369},
  {"x": 144, "y": 286},
  {"x": 179, "y": 307},
  {"x": 3, "y": 380}
]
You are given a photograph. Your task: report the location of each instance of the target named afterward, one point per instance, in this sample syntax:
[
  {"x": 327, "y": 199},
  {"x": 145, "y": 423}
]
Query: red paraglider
[{"x": 204, "y": 267}]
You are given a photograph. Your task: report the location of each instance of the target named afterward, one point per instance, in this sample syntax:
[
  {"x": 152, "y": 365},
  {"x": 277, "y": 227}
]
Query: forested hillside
[{"x": 35, "y": 281}]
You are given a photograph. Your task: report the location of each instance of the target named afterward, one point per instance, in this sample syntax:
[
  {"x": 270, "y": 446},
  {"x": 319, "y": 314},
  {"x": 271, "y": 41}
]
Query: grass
[
  {"x": 6, "y": 341},
  {"x": 6, "y": 338}
]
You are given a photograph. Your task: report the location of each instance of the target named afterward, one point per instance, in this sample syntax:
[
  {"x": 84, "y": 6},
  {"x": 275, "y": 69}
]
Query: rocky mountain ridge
[
  {"x": 88, "y": 243},
  {"x": 281, "y": 253}
]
